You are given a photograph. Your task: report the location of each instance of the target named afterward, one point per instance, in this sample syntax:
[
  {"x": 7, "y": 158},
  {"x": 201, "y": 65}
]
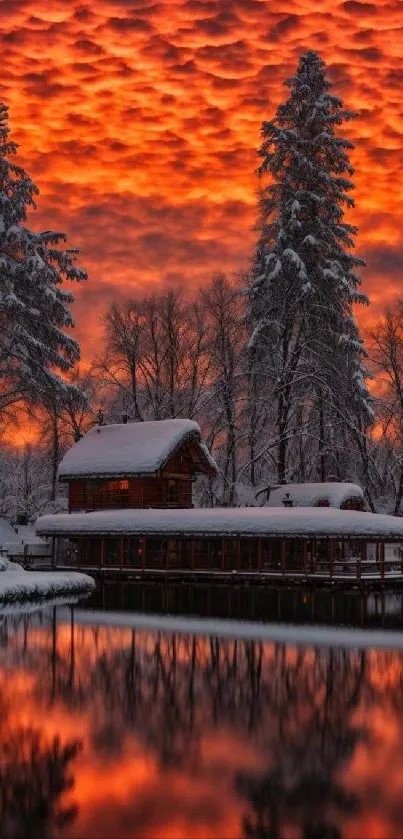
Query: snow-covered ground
[
  {"x": 17, "y": 585},
  {"x": 14, "y": 540}
]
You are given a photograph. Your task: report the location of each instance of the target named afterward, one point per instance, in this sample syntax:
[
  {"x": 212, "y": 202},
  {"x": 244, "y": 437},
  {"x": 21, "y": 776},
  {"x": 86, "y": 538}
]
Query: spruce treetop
[{"x": 305, "y": 277}]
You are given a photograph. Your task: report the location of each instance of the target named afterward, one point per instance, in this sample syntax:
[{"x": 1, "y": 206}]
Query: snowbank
[
  {"x": 19, "y": 585},
  {"x": 298, "y": 634},
  {"x": 132, "y": 449},
  {"x": 245, "y": 521},
  {"x": 14, "y": 540}
]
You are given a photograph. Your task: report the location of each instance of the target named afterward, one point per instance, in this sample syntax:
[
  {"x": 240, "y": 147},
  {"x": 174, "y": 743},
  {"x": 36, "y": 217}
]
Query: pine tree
[
  {"x": 303, "y": 332},
  {"x": 35, "y": 352}
]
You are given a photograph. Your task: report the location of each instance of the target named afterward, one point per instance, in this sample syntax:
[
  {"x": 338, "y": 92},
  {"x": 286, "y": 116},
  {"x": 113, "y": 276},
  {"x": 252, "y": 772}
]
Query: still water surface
[{"x": 115, "y": 732}]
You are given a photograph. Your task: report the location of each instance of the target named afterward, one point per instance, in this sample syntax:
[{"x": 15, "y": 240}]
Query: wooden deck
[
  {"x": 339, "y": 561},
  {"x": 367, "y": 580}
]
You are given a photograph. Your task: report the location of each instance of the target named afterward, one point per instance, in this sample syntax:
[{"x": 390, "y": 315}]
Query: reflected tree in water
[
  {"x": 310, "y": 739},
  {"x": 34, "y": 781},
  {"x": 297, "y": 707}
]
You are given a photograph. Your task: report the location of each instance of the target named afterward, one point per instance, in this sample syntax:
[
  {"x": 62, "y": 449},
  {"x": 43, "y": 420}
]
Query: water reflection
[
  {"x": 353, "y": 607},
  {"x": 117, "y": 732}
]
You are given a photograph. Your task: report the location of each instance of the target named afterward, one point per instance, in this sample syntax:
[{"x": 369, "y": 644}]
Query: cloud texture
[{"x": 139, "y": 120}]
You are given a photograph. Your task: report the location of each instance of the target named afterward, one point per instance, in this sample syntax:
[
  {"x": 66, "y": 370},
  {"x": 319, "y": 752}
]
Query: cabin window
[
  {"x": 68, "y": 551},
  {"x": 93, "y": 552},
  {"x": 322, "y": 502},
  {"x": 117, "y": 486},
  {"x": 249, "y": 554},
  {"x": 172, "y": 492},
  {"x": 207, "y": 554},
  {"x": 156, "y": 552},
  {"x": 294, "y": 555},
  {"x": 214, "y": 554},
  {"x": 132, "y": 552},
  {"x": 112, "y": 552},
  {"x": 271, "y": 554},
  {"x": 90, "y": 488},
  {"x": 352, "y": 504}
]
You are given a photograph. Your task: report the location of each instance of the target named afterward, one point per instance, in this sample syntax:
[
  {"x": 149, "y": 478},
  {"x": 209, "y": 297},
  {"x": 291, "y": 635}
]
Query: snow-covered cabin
[
  {"x": 341, "y": 496},
  {"x": 145, "y": 464}
]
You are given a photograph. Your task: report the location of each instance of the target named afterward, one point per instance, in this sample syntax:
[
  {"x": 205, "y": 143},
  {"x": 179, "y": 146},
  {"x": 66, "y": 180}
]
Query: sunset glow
[{"x": 140, "y": 121}]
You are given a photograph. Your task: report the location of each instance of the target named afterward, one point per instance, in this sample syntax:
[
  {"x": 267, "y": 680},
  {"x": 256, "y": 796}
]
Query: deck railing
[{"x": 316, "y": 559}]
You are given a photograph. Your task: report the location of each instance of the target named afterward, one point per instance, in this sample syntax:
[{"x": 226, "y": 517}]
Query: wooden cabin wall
[
  {"x": 134, "y": 493},
  {"x": 355, "y": 503},
  {"x": 172, "y": 489}
]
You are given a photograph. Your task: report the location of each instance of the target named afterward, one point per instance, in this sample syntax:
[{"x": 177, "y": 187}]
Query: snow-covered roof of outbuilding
[
  {"x": 140, "y": 448},
  {"x": 220, "y": 521},
  {"x": 309, "y": 494}
]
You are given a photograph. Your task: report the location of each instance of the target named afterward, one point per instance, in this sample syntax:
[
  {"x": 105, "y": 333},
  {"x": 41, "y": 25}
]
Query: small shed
[
  {"x": 146, "y": 464},
  {"x": 340, "y": 496}
]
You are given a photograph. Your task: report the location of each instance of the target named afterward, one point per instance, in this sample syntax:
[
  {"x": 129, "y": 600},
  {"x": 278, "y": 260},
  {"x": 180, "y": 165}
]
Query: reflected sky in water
[{"x": 113, "y": 732}]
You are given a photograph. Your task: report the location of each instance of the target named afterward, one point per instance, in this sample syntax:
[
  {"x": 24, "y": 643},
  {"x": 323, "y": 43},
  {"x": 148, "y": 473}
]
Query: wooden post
[
  {"x": 259, "y": 554},
  {"x": 223, "y": 553},
  {"x": 121, "y": 552},
  {"x": 103, "y": 546},
  {"x": 331, "y": 547},
  {"x": 54, "y": 551},
  {"x": 313, "y": 550},
  {"x": 192, "y": 553},
  {"x": 143, "y": 555},
  {"x": 382, "y": 546},
  {"x": 304, "y": 555},
  {"x": 283, "y": 556},
  {"x": 359, "y": 560},
  {"x": 238, "y": 554}
]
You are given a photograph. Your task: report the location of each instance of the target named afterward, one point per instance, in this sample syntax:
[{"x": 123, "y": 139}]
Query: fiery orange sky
[{"x": 139, "y": 121}]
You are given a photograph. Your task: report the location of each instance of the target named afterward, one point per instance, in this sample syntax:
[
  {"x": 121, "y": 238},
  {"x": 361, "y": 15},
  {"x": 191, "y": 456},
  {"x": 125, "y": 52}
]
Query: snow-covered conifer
[
  {"x": 35, "y": 351},
  {"x": 305, "y": 283}
]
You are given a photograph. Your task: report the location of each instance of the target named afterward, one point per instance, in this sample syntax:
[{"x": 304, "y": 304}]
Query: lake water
[{"x": 114, "y": 731}]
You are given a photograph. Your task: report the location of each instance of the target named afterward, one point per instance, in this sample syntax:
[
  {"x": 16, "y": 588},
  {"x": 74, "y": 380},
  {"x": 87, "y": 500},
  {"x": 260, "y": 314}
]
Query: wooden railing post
[
  {"x": 382, "y": 546},
  {"x": 313, "y": 555},
  {"x": 103, "y": 546},
  {"x": 358, "y": 563},
  {"x": 331, "y": 547},
  {"x": 283, "y": 556},
  {"x": 238, "y": 553},
  {"x": 259, "y": 554}
]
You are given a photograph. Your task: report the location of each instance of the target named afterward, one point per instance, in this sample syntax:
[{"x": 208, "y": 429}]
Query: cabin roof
[
  {"x": 140, "y": 448},
  {"x": 308, "y": 494},
  {"x": 243, "y": 521}
]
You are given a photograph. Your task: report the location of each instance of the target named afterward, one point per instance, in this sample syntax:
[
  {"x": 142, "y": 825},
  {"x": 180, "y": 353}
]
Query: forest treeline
[{"x": 178, "y": 355}]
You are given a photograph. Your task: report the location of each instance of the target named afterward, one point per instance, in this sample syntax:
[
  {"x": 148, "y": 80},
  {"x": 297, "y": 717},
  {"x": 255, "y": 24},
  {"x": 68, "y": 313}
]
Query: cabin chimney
[{"x": 287, "y": 500}]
